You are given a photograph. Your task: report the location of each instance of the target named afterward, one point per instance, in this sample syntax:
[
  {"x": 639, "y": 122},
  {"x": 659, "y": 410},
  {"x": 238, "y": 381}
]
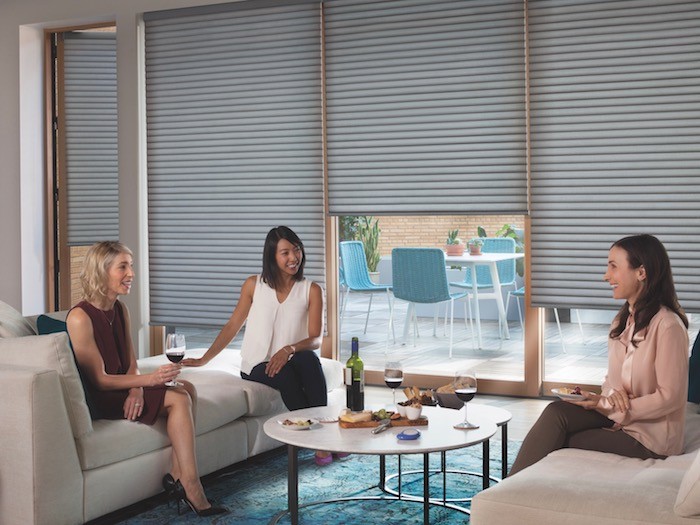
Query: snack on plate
[
  {"x": 576, "y": 391},
  {"x": 297, "y": 423},
  {"x": 446, "y": 389}
]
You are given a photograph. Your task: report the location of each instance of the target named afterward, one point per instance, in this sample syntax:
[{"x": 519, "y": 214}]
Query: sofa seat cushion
[
  {"x": 261, "y": 399},
  {"x": 688, "y": 500},
  {"x": 219, "y": 402},
  {"x": 581, "y": 487}
]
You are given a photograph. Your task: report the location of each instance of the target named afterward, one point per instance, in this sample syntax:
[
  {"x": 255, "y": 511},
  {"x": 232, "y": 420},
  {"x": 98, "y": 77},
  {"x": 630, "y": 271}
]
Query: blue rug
[{"x": 256, "y": 490}]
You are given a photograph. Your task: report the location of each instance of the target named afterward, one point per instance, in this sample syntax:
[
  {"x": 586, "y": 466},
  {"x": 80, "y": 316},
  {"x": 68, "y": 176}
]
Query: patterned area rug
[{"x": 256, "y": 490}]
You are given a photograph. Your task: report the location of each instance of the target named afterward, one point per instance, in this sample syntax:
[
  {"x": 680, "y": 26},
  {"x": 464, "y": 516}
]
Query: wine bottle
[{"x": 355, "y": 379}]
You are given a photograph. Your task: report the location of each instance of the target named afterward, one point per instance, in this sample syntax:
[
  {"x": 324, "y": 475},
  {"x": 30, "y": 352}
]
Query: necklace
[{"x": 114, "y": 314}]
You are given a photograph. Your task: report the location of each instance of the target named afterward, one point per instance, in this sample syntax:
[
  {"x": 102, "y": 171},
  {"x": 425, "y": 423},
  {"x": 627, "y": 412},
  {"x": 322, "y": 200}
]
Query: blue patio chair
[
  {"x": 355, "y": 276},
  {"x": 520, "y": 293},
  {"x": 505, "y": 269},
  {"x": 420, "y": 276}
]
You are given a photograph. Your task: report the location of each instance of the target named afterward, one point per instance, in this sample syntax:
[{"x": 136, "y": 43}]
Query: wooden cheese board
[{"x": 400, "y": 422}]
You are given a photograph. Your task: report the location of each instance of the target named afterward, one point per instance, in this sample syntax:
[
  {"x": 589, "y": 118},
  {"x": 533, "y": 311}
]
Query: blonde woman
[{"x": 98, "y": 327}]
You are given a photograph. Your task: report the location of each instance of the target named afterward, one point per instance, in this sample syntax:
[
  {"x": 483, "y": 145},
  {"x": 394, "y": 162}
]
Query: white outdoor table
[{"x": 490, "y": 260}]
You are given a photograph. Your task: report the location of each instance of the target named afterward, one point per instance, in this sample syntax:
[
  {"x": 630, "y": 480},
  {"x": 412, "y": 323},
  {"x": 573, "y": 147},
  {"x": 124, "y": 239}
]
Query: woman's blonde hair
[{"x": 98, "y": 259}]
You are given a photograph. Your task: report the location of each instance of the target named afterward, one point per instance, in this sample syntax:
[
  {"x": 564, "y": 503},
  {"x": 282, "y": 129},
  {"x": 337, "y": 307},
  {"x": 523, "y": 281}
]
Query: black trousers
[
  {"x": 300, "y": 382},
  {"x": 564, "y": 425}
]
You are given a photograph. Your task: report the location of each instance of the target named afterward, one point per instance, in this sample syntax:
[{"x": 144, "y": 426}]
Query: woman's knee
[{"x": 178, "y": 396}]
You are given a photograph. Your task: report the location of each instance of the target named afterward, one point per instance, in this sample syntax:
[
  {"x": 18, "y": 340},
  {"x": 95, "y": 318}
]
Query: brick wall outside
[{"x": 431, "y": 231}]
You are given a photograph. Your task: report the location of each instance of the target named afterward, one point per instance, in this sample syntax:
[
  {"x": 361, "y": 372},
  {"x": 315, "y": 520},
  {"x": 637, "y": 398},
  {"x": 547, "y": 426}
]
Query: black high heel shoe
[
  {"x": 170, "y": 487},
  {"x": 179, "y": 491}
]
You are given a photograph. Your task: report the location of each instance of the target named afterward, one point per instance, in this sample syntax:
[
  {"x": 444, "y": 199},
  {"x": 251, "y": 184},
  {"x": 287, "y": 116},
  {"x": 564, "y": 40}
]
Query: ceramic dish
[
  {"x": 563, "y": 394},
  {"x": 298, "y": 423}
]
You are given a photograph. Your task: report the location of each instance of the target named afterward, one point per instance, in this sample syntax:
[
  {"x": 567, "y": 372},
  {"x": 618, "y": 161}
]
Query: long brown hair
[{"x": 657, "y": 290}]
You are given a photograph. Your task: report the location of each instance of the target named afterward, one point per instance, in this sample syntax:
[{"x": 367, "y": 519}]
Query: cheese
[{"x": 357, "y": 417}]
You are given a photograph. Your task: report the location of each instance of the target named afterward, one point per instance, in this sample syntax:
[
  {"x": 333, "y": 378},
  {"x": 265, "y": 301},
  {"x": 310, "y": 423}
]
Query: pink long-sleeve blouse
[{"x": 656, "y": 374}]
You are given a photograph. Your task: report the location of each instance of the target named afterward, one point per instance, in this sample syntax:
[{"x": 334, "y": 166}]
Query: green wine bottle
[{"x": 355, "y": 379}]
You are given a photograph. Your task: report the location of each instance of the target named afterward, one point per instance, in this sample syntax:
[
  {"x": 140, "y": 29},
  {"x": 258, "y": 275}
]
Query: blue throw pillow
[
  {"x": 694, "y": 373},
  {"x": 48, "y": 325}
]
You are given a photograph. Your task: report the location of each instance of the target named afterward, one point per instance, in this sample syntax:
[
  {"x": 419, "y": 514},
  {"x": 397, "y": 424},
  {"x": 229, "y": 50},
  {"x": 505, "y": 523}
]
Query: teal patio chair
[
  {"x": 419, "y": 275},
  {"x": 520, "y": 293},
  {"x": 505, "y": 269},
  {"x": 354, "y": 275}
]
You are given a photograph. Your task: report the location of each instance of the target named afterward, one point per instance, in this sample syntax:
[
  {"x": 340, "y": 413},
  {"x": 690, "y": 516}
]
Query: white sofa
[
  {"x": 580, "y": 487},
  {"x": 57, "y": 466}
]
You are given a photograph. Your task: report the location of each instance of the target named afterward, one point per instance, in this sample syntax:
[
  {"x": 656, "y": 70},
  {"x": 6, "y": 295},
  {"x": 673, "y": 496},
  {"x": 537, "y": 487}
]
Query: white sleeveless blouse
[{"x": 272, "y": 325}]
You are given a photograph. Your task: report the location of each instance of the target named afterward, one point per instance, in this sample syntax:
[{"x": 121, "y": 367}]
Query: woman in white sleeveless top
[{"x": 285, "y": 325}]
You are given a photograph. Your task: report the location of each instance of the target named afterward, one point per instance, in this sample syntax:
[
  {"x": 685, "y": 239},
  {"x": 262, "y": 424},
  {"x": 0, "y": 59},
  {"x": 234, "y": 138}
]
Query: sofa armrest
[{"x": 40, "y": 477}]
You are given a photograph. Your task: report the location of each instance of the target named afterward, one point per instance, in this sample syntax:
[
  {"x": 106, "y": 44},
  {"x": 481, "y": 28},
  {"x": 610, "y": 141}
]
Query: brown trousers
[{"x": 565, "y": 425}]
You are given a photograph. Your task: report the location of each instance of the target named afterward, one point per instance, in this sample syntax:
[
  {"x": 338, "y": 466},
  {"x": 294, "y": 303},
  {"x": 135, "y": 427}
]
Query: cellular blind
[
  {"x": 425, "y": 107},
  {"x": 615, "y": 109},
  {"x": 234, "y": 148},
  {"x": 90, "y": 123}
]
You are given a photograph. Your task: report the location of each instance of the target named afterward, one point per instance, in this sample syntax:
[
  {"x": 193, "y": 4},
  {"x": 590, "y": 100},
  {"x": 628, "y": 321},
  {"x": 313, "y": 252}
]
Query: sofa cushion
[
  {"x": 50, "y": 325},
  {"x": 52, "y": 352},
  {"x": 551, "y": 491},
  {"x": 219, "y": 402},
  {"x": 13, "y": 323},
  {"x": 688, "y": 500}
]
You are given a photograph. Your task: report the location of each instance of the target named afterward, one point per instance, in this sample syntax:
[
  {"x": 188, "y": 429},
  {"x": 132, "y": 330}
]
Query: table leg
[
  {"x": 426, "y": 489},
  {"x": 503, "y": 320},
  {"x": 504, "y": 451},
  {"x": 443, "y": 467},
  {"x": 293, "y": 483},
  {"x": 477, "y": 313},
  {"x": 382, "y": 471},
  {"x": 409, "y": 321},
  {"x": 485, "y": 464}
]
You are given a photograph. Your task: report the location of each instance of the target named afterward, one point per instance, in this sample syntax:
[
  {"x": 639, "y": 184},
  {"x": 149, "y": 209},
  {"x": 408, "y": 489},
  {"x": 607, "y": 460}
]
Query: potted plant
[
  {"x": 475, "y": 246},
  {"x": 368, "y": 232},
  {"x": 454, "y": 245}
]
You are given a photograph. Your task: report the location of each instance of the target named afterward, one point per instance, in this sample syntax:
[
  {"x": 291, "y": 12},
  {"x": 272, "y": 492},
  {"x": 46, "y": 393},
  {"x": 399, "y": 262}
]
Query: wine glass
[
  {"x": 465, "y": 389},
  {"x": 175, "y": 352},
  {"x": 393, "y": 376}
]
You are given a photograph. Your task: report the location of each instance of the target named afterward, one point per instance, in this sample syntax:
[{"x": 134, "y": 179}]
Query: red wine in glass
[
  {"x": 465, "y": 389},
  {"x": 174, "y": 351},
  {"x": 393, "y": 376}
]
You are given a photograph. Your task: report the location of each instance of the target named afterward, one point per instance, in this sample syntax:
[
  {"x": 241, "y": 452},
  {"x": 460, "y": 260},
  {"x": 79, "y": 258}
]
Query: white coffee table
[{"x": 438, "y": 436}]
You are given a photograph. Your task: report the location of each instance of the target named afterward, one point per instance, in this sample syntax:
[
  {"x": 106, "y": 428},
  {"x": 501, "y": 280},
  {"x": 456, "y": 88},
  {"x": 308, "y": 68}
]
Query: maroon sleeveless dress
[{"x": 111, "y": 341}]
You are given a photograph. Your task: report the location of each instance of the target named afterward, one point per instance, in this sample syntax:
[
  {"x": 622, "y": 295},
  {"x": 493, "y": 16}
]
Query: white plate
[
  {"x": 562, "y": 395},
  {"x": 328, "y": 419},
  {"x": 314, "y": 423}
]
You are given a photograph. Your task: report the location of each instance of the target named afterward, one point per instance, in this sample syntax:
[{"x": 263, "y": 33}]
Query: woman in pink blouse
[{"x": 640, "y": 411}]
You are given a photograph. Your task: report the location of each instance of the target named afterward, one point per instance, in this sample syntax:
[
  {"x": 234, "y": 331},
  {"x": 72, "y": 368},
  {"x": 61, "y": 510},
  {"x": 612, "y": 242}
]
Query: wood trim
[
  {"x": 64, "y": 279},
  {"x": 156, "y": 340},
  {"x": 49, "y": 188},
  {"x": 82, "y": 27},
  {"x": 331, "y": 343}
]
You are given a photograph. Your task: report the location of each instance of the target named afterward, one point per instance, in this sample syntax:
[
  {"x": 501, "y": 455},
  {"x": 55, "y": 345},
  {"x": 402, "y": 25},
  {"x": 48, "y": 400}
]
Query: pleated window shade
[
  {"x": 90, "y": 124},
  {"x": 425, "y": 107},
  {"x": 233, "y": 96},
  {"x": 615, "y": 121}
]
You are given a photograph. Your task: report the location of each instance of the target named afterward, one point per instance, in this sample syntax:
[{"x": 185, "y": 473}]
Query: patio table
[{"x": 490, "y": 260}]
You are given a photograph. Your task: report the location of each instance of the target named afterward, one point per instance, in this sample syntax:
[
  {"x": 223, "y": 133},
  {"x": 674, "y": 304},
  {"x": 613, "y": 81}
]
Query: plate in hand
[{"x": 563, "y": 393}]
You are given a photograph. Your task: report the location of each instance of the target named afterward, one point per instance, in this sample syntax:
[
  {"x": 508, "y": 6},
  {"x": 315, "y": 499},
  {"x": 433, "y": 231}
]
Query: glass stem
[
  {"x": 465, "y": 412},
  {"x": 393, "y": 392}
]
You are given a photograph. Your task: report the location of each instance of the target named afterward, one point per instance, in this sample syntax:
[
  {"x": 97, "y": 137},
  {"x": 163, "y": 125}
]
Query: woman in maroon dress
[{"x": 98, "y": 327}]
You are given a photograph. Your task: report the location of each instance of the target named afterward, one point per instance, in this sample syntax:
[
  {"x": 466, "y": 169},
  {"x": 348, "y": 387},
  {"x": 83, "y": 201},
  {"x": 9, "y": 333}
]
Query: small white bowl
[
  {"x": 401, "y": 410},
  {"x": 413, "y": 413}
]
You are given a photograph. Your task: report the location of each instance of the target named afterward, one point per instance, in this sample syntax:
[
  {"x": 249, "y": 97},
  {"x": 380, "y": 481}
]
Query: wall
[
  {"x": 432, "y": 231},
  {"x": 22, "y": 231}
]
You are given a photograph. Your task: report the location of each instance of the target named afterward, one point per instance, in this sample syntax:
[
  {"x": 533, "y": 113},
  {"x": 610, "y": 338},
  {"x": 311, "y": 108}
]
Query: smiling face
[
  {"x": 288, "y": 257},
  {"x": 627, "y": 283},
  {"x": 120, "y": 275}
]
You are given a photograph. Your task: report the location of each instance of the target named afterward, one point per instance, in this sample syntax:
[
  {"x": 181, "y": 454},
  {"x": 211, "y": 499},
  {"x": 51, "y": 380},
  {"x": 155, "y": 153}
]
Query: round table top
[{"x": 438, "y": 435}]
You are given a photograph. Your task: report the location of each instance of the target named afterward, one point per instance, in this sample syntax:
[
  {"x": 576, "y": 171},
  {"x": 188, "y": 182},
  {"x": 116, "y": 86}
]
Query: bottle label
[{"x": 348, "y": 377}]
